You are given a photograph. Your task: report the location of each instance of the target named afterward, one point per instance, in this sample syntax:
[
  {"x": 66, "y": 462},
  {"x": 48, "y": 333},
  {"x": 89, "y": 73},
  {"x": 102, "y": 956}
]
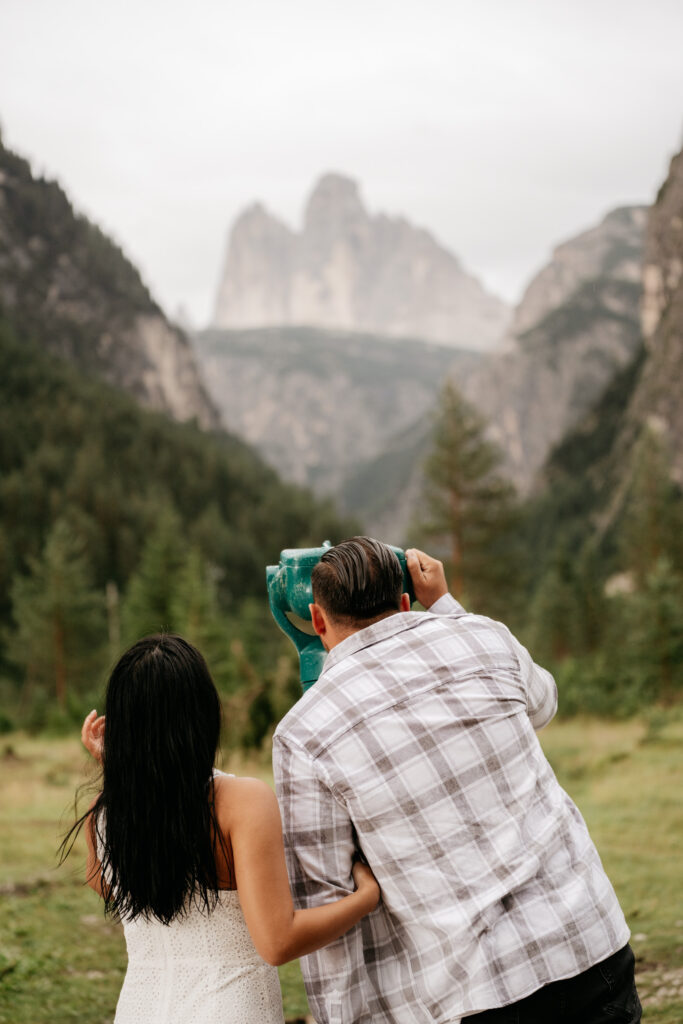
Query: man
[{"x": 417, "y": 745}]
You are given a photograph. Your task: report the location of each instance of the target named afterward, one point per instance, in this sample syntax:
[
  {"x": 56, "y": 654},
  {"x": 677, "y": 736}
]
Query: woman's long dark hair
[{"x": 155, "y": 819}]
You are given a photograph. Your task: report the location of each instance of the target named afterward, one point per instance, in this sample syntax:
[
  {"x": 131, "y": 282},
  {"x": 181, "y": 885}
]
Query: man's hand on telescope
[{"x": 428, "y": 576}]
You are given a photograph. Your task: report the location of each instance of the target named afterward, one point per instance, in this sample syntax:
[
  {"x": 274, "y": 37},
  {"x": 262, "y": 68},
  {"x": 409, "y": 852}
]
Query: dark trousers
[{"x": 604, "y": 994}]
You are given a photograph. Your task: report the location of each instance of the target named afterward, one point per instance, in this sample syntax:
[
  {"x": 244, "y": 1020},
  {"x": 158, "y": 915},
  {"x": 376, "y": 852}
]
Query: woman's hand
[
  {"x": 92, "y": 735},
  {"x": 249, "y": 817},
  {"x": 366, "y": 883}
]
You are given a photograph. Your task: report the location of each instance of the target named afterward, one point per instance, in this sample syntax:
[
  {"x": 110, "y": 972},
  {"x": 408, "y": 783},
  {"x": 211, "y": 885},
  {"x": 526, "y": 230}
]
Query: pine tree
[
  {"x": 60, "y": 629},
  {"x": 196, "y": 614},
  {"x": 470, "y": 506},
  {"x": 653, "y": 519},
  {"x": 150, "y": 602},
  {"x": 648, "y": 618},
  {"x": 554, "y": 611},
  {"x": 568, "y": 611},
  {"x": 655, "y": 634},
  {"x": 194, "y": 602}
]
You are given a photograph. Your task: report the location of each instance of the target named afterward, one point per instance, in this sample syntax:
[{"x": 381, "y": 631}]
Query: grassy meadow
[{"x": 60, "y": 960}]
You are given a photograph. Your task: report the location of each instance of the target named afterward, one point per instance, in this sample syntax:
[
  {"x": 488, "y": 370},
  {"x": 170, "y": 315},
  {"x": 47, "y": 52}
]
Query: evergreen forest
[
  {"x": 589, "y": 570},
  {"x": 116, "y": 522}
]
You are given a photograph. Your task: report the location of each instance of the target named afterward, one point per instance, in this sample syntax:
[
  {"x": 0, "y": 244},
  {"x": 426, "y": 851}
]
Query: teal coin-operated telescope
[{"x": 290, "y": 593}]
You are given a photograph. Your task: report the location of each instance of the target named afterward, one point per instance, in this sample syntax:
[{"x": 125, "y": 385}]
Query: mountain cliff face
[
  {"x": 351, "y": 415},
  {"x": 349, "y": 270},
  {"x": 319, "y": 404},
  {"x": 65, "y": 285},
  {"x": 576, "y": 327},
  {"x": 586, "y": 481},
  {"x": 657, "y": 397},
  {"x": 611, "y": 249}
]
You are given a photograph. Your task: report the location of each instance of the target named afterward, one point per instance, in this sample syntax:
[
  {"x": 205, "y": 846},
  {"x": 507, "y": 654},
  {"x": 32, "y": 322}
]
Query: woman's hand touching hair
[{"x": 92, "y": 735}]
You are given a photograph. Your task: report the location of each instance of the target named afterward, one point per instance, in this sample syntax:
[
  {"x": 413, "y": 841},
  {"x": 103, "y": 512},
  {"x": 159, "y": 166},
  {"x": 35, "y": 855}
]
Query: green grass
[
  {"x": 627, "y": 780},
  {"x": 61, "y": 961}
]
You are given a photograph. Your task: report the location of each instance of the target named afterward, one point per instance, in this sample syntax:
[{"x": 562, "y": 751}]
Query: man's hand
[
  {"x": 429, "y": 579},
  {"x": 92, "y": 735}
]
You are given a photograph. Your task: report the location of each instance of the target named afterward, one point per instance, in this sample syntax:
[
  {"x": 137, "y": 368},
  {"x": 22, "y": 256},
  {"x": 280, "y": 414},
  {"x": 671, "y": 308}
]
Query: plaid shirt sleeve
[
  {"x": 319, "y": 847},
  {"x": 540, "y": 687},
  {"x": 538, "y": 683}
]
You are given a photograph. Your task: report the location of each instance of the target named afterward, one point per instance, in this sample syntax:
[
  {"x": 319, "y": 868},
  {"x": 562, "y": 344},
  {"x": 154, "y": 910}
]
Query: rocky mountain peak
[
  {"x": 256, "y": 213},
  {"x": 336, "y": 196},
  {"x": 575, "y": 329},
  {"x": 256, "y": 226},
  {"x": 334, "y": 215},
  {"x": 352, "y": 270},
  {"x": 611, "y": 249},
  {"x": 663, "y": 261},
  {"x": 259, "y": 252}
]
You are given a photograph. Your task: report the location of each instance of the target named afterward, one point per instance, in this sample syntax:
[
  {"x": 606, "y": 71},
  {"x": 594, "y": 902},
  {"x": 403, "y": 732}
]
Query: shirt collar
[{"x": 373, "y": 634}]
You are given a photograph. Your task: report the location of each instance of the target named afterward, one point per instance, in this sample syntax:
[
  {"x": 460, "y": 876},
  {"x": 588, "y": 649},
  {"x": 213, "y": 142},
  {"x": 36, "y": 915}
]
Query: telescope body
[{"x": 290, "y": 593}]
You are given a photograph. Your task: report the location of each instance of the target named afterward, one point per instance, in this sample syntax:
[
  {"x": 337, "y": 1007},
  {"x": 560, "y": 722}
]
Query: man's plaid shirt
[{"x": 417, "y": 744}]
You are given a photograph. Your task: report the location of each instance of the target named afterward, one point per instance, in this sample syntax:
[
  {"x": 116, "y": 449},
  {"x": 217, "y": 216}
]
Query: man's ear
[
  {"x": 405, "y": 602},
  {"x": 318, "y": 619}
]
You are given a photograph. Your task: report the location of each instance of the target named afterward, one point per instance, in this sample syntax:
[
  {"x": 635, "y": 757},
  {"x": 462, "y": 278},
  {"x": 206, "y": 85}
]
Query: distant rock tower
[{"x": 350, "y": 270}]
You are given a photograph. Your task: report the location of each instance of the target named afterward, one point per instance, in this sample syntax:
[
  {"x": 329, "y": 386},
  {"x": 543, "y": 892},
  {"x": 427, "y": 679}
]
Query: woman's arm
[
  {"x": 279, "y": 932},
  {"x": 93, "y": 870},
  {"x": 92, "y": 738}
]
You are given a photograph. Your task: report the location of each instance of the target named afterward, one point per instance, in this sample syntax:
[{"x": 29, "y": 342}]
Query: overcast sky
[{"x": 503, "y": 126}]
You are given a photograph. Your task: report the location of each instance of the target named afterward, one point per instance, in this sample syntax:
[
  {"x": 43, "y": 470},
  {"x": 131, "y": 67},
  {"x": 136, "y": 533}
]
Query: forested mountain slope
[
  {"x": 576, "y": 328},
  {"x": 589, "y": 474},
  {"x": 658, "y": 397},
  {"x": 319, "y": 404},
  {"x": 74, "y": 447},
  {"x": 65, "y": 285},
  {"x": 116, "y": 519}
]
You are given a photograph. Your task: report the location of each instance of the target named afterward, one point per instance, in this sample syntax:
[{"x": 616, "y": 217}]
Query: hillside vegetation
[
  {"x": 177, "y": 524},
  {"x": 68, "y": 288},
  {"x": 339, "y": 411}
]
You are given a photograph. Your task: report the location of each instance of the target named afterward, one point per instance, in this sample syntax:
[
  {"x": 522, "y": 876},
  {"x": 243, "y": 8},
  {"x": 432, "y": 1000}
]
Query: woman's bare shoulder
[
  {"x": 243, "y": 786},
  {"x": 238, "y": 796}
]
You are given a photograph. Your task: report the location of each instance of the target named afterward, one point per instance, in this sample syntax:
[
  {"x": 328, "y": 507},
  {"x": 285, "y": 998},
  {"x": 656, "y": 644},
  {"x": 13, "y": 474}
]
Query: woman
[{"x": 190, "y": 859}]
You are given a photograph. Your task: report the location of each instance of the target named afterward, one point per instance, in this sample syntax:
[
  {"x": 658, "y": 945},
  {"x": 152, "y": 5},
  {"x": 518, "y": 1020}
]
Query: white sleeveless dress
[{"x": 202, "y": 968}]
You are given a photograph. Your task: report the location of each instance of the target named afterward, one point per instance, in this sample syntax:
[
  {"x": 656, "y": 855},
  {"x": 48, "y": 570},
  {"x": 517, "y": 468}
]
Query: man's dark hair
[{"x": 357, "y": 580}]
